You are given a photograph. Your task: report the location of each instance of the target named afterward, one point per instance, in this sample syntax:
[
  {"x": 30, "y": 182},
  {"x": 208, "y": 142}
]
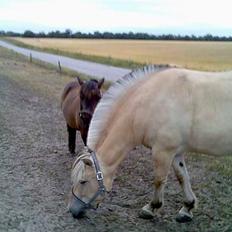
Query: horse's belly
[
  {"x": 213, "y": 138},
  {"x": 211, "y": 127}
]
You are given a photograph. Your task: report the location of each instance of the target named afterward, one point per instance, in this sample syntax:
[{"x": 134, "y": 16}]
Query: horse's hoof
[
  {"x": 182, "y": 218},
  {"x": 146, "y": 213}
]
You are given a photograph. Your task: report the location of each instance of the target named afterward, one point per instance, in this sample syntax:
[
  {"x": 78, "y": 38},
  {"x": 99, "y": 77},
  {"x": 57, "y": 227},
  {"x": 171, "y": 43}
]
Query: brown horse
[
  {"x": 78, "y": 103},
  {"x": 173, "y": 111}
]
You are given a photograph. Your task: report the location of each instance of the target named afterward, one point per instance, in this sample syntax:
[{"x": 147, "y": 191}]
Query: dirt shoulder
[{"x": 35, "y": 168}]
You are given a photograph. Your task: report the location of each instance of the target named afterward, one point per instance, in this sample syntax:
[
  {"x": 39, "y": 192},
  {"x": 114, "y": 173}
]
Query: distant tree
[
  {"x": 131, "y": 35},
  {"x": 68, "y": 33},
  {"x": 12, "y": 34},
  {"x": 193, "y": 37},
  {"x": 41, "y": 35},
  {"x": 77, "y": 35},
  {"x": 2, "y": 33},
  {"x": 109, "y": 35},
  {"x": 28, "y": 34},
  {"x": 97, "y": 35},
  {"x": 57, "y": 34},
  {"x": 53, "y": 34},
  {"x": 208, "y": 37}
]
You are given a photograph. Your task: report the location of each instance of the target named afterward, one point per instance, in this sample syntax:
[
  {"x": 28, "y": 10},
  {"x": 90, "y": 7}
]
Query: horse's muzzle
[{"x": 77, "y": 208}]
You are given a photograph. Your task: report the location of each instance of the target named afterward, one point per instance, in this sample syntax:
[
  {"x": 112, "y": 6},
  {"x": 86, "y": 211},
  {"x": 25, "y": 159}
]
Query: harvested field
[{"x": 211, "y": 56}]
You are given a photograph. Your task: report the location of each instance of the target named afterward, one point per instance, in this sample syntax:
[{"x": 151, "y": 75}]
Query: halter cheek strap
[{"x": 99, "y": 174}]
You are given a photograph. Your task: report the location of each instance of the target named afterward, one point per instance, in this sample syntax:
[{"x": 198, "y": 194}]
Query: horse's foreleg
[
  {"x": 71, "y": 139},
  {"x": 162, "y": 163},
  {"x": 84, "y": 133},
  {"x": 181, "y": 172}
]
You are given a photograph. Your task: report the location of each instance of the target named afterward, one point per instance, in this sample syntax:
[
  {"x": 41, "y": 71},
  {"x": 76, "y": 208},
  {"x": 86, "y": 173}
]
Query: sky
[{"x": 197, "y": 17}]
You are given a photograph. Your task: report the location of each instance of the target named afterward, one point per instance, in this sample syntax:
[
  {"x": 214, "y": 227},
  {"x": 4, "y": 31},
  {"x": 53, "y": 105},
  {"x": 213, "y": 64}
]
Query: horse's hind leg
[
  {"x": 71, "y": 139},
  {"x": 162, "y": 163},
  {"x": 181, "y": 172}
]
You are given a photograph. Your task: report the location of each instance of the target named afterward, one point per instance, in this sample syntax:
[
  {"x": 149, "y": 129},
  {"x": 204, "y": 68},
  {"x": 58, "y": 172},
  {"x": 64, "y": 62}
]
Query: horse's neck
[{"x": 112, "y": 152}]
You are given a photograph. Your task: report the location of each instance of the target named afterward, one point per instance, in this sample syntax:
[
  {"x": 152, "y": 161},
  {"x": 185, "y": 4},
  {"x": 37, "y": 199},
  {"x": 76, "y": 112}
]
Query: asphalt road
[{"x": 110, "y": 73}]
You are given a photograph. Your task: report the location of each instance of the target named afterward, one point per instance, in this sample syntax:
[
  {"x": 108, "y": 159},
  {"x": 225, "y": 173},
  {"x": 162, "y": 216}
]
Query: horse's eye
[{"x": 83, "y": 181}]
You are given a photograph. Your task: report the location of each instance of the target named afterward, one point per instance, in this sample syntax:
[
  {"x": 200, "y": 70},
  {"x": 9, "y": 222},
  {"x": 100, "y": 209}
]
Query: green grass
[{"x": 223, "y": 166}]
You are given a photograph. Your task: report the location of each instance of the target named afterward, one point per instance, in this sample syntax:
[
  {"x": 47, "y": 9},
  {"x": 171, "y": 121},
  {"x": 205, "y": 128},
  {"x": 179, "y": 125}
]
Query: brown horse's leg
[
  {"x": 71, "y": 139},
  {"x": 181, "y": 172},
  {"x": 162, "y": 163},
  {"x": 84, "y": 133}
]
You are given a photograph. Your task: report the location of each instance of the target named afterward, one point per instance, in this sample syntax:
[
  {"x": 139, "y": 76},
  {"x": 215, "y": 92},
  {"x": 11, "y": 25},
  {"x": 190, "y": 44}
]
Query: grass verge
[{"x": 38, "y": 75}]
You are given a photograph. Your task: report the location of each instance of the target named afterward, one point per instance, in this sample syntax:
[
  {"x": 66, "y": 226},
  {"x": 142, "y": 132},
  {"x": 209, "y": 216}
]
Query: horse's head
[
  {"x": 87, "y": 184},
  {"x": 90, "y": 94}
]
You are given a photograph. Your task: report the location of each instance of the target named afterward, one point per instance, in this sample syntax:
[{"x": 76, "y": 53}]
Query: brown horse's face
[{"x": 90, "y": 95}]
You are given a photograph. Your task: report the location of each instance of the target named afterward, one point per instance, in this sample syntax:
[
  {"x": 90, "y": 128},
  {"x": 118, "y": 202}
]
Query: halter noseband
[
  {"x": 85, "y": 112},
  {"x": 101, "y": 187}
]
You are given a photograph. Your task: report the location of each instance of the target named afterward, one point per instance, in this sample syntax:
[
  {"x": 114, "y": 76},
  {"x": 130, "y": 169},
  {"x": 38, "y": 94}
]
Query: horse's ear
[
  {"x": 87, "y": 161},
  {"x": 100, "y": 83},
  {"x": 79, "y": 81}
]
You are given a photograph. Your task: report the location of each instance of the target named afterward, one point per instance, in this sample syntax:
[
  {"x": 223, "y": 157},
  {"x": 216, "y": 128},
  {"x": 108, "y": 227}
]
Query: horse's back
[
  {"x": 212, "y": 113},
  {"x": 192, "y": 108},
  {"x": 74, "y": 85},
  {"x": 181, "y": 108}
]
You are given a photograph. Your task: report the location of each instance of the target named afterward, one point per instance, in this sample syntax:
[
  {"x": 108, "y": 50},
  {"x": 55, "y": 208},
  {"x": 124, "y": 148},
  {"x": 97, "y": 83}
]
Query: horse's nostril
[
  {"x": 78, "y": 215},
  {"x": 75, "y": 216}
]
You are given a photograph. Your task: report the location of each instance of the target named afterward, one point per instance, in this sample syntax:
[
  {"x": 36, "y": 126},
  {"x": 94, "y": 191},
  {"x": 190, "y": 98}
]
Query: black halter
[
  {"x": 101, "y": 188},
  {"x": 88, "y": 112}
]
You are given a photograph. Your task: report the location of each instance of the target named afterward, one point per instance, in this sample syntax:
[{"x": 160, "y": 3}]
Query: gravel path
[{"x": 110, "y": 73}]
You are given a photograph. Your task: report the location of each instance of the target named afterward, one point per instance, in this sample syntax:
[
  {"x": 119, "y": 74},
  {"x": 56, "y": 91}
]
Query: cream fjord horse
[{"x": 170, "y": 110}]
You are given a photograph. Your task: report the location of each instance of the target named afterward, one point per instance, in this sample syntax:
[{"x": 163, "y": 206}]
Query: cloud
[{"x": 115, "y": 15}]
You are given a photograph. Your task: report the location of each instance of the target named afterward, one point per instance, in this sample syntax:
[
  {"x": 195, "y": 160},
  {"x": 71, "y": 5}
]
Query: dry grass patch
[{"x": 213, "y": 56}]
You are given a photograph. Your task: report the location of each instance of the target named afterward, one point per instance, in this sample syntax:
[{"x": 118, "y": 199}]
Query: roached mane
[{"x": 119, "y": 88}]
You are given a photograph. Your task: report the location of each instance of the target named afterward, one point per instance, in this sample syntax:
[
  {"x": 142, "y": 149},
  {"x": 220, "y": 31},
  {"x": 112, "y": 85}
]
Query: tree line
[{"x": 109, "y": 35}]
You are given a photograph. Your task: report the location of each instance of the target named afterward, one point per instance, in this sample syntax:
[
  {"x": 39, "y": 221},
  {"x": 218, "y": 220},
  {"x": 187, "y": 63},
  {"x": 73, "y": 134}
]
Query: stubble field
[{"x": 209, "y": 56}]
